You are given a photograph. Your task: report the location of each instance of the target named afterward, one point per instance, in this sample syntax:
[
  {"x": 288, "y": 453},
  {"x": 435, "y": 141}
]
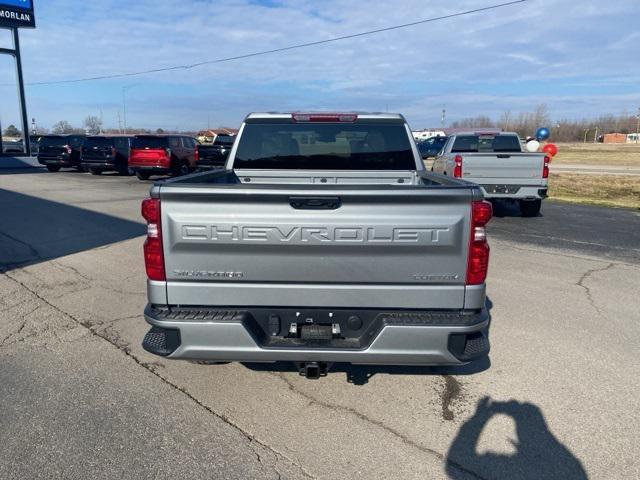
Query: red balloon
[{"x": 550, "y": 149}]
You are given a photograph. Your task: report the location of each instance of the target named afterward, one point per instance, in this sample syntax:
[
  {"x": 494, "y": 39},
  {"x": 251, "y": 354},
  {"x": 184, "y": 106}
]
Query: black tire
[
  {"x": 182, "y": 169},
  {"x": 143, "y": 175},
  {"x": 53, "y": 168},
  {"x": 125, "y": 171},
  {"x": 530, "y": 208},
  {"x": 95, "y": 171}
]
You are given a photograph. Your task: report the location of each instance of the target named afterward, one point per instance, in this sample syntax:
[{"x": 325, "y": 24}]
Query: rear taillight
[
  {"x": 153, "y": 256},
  {"x": 457, "y": 168},
  {"x": 545, "y": 168},
  {"x": 196, "y": 155},
  {"x": 478, "y": 263}
]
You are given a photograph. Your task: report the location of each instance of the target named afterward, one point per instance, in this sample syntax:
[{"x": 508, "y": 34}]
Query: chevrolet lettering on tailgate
[{"x": 308, "y": 235}]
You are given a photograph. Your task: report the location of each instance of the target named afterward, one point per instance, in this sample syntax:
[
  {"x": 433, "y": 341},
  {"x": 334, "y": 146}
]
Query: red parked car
[{"x": 163, "y": 155}]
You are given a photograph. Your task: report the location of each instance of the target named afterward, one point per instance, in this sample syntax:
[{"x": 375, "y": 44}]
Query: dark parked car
[
  {"x": 57, "y": 151},
  {"x": 214, "y": 155},
  {"x": 162, "y": 155},
  {"x": 431, "y": 146},
  {"x": 107, "y": 153}
]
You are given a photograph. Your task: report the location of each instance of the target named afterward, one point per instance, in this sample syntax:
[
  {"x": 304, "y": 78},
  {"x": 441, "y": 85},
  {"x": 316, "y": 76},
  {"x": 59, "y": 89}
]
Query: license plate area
[{"x": 501, "y": 189}]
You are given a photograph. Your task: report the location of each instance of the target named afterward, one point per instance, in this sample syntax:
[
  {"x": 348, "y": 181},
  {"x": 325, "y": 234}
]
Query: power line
[{"x": 277, "y": 50}]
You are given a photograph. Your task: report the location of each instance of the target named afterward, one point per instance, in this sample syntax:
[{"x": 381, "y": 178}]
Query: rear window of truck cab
[
  {"x": 486, "y": 143},
  {"x": 224, "y": 140},
  {"x": 324, "y": 146},
  {"x": 101, "y": 142},
  {"x": 149, "y": 142},
  {"x": 60, "y": 141}
]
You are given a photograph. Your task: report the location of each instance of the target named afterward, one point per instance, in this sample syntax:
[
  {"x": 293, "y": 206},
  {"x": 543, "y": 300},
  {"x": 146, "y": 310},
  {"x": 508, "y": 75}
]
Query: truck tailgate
[
  {"x": 508, "y": 165},
  {"x": 401, "y": 247}
]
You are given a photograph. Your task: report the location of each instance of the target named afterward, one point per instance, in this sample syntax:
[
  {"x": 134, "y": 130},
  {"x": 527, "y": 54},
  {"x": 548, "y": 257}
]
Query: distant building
[
  {"x": 420, "y": 135},
  {"x": 633, "y": 138},
  {"x": 209, "y": 136},
  {"x": 615, "y": 138}
]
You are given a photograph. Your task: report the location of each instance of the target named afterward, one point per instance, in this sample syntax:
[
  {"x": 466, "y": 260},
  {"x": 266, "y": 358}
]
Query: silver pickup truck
[
  {"x": 496, "y": 162},
  {"x": 323, "y": 241}
]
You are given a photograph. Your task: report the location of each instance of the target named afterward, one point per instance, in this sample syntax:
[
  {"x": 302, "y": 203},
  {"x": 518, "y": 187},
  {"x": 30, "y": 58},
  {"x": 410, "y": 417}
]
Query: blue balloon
[{"x": 542, "y": 134}]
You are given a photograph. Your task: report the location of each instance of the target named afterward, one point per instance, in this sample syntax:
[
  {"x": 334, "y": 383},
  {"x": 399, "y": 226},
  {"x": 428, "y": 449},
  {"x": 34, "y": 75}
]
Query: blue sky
[{"x": 579, "y": 58}]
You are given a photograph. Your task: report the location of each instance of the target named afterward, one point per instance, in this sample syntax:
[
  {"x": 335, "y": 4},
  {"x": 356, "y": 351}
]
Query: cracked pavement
[{"x": 81, "y": 399}]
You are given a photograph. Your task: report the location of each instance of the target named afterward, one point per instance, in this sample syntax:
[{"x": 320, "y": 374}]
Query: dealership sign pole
[{"x": 15, "y": 14}]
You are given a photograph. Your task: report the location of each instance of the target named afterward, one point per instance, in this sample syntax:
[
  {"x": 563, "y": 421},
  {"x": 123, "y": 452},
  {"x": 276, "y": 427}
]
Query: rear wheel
[
  {"x": 95, "y": 171},
  {"x": 143, "y": 175},
  {"x": 53, "y": 168},
  {"x": 125, "y": 171},
  {"x": 530, "y": 208},
  {"x": 182, "y": 169}
]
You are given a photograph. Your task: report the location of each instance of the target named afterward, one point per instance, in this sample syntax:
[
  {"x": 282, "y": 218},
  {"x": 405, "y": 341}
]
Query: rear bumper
[
  {"x": 210, "y": 165},
  {"x": 99, "y": 163},
  {"x": 399, "y": 338},
  {"x": 524, "y": 192},
  {"x": 155, "y": 170},
  {"x": 62, "y": 160}
]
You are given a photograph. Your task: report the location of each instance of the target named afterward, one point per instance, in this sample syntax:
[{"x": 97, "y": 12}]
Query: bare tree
[
  {"x": 62, "y": 127},
  {"x": 12, "y": 131},
  {"x": 93, "y": 125},
  {"x": 505, "y": 122}
]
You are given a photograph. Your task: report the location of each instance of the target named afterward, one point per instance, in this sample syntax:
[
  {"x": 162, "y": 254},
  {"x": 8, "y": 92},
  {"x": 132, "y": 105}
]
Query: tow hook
[{"x": 313, "y": 370}]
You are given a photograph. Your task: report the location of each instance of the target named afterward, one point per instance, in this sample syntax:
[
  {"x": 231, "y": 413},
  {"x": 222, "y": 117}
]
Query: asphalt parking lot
[{"x": 81, "y": 399}]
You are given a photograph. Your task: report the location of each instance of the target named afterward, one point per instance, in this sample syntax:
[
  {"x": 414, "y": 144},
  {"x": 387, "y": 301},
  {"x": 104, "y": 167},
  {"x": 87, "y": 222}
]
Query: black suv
[
  {"x": 107, "y": 153},
  {"x": 57, "y": 151},
  {"x": 214, "y": 155}
]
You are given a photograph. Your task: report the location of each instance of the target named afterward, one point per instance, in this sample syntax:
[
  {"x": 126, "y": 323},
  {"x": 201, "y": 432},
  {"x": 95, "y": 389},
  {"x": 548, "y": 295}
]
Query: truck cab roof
[{"x": 326, "y": 117}]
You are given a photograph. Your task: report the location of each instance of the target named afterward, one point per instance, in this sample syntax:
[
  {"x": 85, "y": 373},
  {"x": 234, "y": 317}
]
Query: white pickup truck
[{"x": 496, "y": 162}]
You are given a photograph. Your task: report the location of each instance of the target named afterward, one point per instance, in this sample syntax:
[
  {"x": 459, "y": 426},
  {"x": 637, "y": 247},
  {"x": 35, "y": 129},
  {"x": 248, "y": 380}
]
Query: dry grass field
[
  {"x": 605, "y": 190},
  {"x": 598, "y": 154}
]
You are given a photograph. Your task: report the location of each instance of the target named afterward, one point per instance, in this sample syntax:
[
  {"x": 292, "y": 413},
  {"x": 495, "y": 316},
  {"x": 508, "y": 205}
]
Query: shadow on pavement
[
  {"x": 361, "y": 374},
  {"x": 538, "y": 453},
  {"x": 10, "y": 165},
  {"x": 502, "y": 209},
  {"x": 33, "y": 230}
]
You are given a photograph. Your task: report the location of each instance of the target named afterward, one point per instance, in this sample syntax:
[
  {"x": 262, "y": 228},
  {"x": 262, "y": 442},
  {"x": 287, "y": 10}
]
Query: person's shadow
[{"x": 539, "y": 455}]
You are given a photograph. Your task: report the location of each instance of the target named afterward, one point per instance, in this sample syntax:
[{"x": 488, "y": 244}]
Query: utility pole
[
  {"x": 638, "y": 126},
  {"x": 595, "y": 135},
  {"x": 119, "y": 122},
  {"x": 444, "y": 115},
  {"x": 15, "y": 53}
]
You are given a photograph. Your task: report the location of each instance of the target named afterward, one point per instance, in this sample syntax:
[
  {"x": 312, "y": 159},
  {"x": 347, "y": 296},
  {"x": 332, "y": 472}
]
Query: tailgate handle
[
  {"x": 504, "y": 156},
  {"x": 315, "y": 203}
]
